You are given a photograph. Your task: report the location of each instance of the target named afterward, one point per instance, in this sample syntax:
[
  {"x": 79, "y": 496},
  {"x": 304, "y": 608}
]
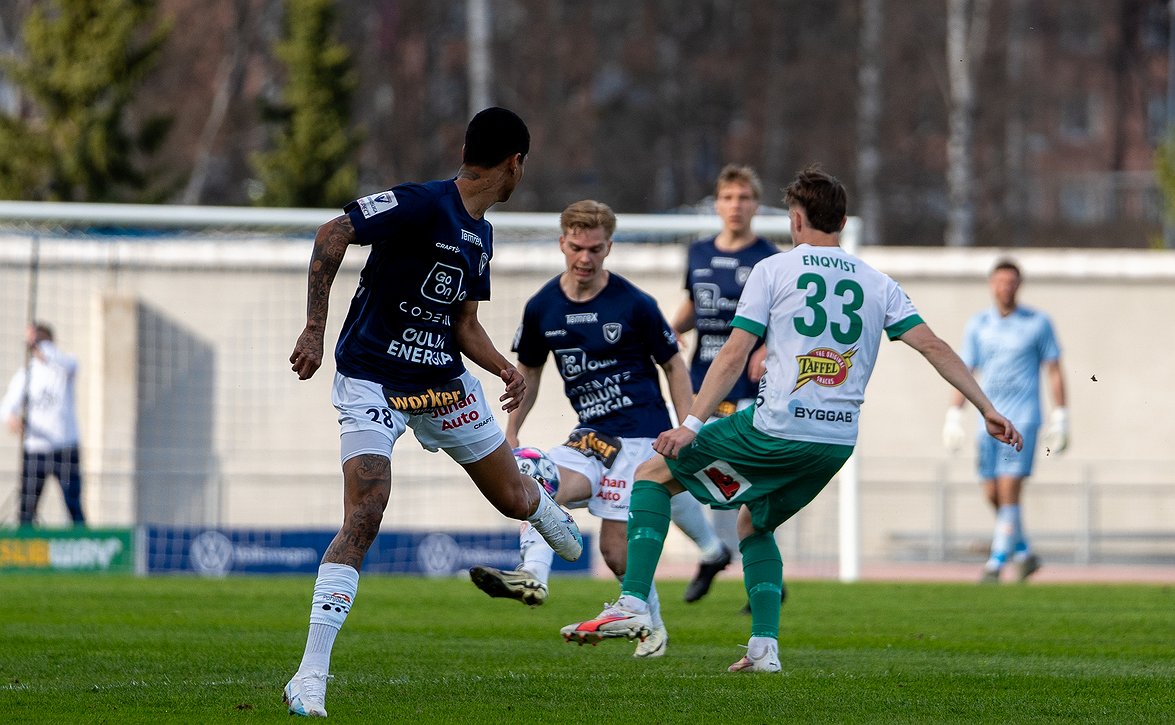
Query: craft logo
[{"x": 823, "y": 366}]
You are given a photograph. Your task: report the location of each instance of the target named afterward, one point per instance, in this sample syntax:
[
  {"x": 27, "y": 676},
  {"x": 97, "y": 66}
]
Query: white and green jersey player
[{"x": 822, "y": 313}]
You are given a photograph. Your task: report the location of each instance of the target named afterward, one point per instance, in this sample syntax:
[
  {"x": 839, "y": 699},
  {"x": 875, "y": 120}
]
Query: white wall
[{"x": 274, "y": 438}]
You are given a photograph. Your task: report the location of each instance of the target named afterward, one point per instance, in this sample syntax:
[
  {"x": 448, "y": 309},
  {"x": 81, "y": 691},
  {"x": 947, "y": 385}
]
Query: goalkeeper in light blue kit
[
  {"x": 822, "y": 313},
  {"x": 1008, "y": 344}
]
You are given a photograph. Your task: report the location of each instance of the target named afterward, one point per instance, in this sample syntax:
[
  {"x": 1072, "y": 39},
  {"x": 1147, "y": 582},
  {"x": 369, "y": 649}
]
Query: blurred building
[{"x": 641, "y": 103}]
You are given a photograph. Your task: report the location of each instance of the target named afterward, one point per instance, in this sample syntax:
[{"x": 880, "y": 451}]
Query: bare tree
[
  {"x": 869, "y": 74},
  {"x": 229, "y": 77},
  {"x": 966, "y": 38},
  {"x": 1015, "y": 183},
  {"x": 477, "y": 34}
]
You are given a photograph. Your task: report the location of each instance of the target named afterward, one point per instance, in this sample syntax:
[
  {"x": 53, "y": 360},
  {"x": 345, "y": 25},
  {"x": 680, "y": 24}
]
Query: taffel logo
[
  {"x": 611, "y": 331},
  {"x": 823, "y": 366},
  {"x": 377, "y": 204},
  {"x": 470, "y": 237}
]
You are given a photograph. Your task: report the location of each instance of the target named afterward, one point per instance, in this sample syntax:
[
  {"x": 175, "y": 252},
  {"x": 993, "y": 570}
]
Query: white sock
[
  {"x": 334, "y": 594},
  {"x": 630, "y": 603},
  {"x": 652, "y": 605},
  {"x": 319, "y": 642},
  {"x": 547, "y": 506},
  {"x": 725, "y": 523},
  {"x": 690, "y": 516},
  {"x": 537, "y": 554},
  {"x": 758, "y": 646},
  {"x": 1007, "y": 532}
]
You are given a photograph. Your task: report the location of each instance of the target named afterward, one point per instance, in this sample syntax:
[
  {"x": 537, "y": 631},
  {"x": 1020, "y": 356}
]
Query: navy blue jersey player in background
[
  {"x": 608, "y": 339},
  {"x": 399, "y": 365},
  {"x": 716, "y": 271}
]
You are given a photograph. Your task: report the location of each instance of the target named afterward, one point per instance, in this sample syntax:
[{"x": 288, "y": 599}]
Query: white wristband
[{"x": 692, "y": 423}]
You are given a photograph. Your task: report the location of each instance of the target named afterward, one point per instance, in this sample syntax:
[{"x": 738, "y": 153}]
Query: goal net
[{"x": 183, "y": 319}]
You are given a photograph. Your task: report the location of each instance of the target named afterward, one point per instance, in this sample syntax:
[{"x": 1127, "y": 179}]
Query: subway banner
[
  {"x": 76, "y": 549},
  {"x": 217, "y": 551}
]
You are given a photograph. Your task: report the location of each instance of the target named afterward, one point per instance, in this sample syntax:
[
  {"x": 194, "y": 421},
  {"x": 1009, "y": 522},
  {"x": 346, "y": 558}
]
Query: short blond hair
[
  {"x": 588, "y": 214},
  {"x": 739, "y": 174}
]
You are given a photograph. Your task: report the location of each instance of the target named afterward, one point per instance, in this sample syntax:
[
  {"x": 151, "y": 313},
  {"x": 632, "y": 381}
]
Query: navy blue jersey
[
  {"x": 606, "y": 350},
  {"x": 427, "y": 255},
  {"x": 714, "y": 280}
]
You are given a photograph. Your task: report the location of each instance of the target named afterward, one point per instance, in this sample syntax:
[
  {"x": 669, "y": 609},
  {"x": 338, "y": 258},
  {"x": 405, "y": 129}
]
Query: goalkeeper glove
[
  {"x": 1056, "y": 433},
  {"x": 953, "y": 435}
]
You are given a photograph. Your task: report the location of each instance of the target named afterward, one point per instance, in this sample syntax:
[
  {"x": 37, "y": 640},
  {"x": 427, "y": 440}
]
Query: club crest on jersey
[
  {"x": 377, "y": 204},
  {"x": 823, "y": 366},
  {"x": 611, "y": 331}
]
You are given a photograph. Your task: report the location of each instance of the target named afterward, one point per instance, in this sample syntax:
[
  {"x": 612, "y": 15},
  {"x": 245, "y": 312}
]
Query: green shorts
[{"x": 730, "y": 464}]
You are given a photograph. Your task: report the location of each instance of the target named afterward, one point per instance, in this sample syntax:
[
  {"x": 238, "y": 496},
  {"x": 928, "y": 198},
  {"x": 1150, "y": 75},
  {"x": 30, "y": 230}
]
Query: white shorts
[
  {"x": 465, "y": 429},
  {"x": 609, "y": 463}
]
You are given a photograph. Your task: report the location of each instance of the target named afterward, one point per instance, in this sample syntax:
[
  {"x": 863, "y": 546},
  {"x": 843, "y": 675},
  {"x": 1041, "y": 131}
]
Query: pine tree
[
  {"x": 312, "y": 163},
  {"x": 83, "y": 62}
]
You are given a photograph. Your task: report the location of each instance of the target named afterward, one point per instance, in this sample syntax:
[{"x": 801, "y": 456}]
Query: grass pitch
[{"x": 79, "y": 649}]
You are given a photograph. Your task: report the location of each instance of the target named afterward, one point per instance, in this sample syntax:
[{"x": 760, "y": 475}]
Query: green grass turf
[{"x": 176, "y": 649}]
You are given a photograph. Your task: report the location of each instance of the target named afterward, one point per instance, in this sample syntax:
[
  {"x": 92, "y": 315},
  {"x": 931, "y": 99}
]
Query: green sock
[
  {"x": 648, "y": 523},
  {"x": 763, "y": 576}
]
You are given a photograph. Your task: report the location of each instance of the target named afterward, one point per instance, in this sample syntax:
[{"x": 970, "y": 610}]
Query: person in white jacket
[{"x": 40, "y": 404}]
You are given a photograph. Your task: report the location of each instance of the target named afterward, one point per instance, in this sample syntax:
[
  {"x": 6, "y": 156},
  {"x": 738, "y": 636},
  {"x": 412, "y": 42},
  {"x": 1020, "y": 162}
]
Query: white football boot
[
  {"x": 654, "y": 645},
  {"x": 305, "y": 694},
  {"x": 612, "y": 622},
  {"x": 518, "y": 584},
  {"x": 765, "y": 661},
  {"x": 558, "y": 528}
]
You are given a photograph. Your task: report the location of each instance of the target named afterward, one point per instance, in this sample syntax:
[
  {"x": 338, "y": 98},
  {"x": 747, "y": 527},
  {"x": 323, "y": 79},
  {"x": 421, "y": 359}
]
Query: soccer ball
[{"x": 534, "y": 463}]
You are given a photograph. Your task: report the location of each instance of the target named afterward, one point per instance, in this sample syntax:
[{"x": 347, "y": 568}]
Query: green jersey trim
[
  {"x": 898, "y": 329},
  {"x": 749, "y": 325}
]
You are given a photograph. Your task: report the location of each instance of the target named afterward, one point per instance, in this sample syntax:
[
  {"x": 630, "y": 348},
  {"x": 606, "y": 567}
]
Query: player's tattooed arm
[{"x": 330, "y": 245}]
